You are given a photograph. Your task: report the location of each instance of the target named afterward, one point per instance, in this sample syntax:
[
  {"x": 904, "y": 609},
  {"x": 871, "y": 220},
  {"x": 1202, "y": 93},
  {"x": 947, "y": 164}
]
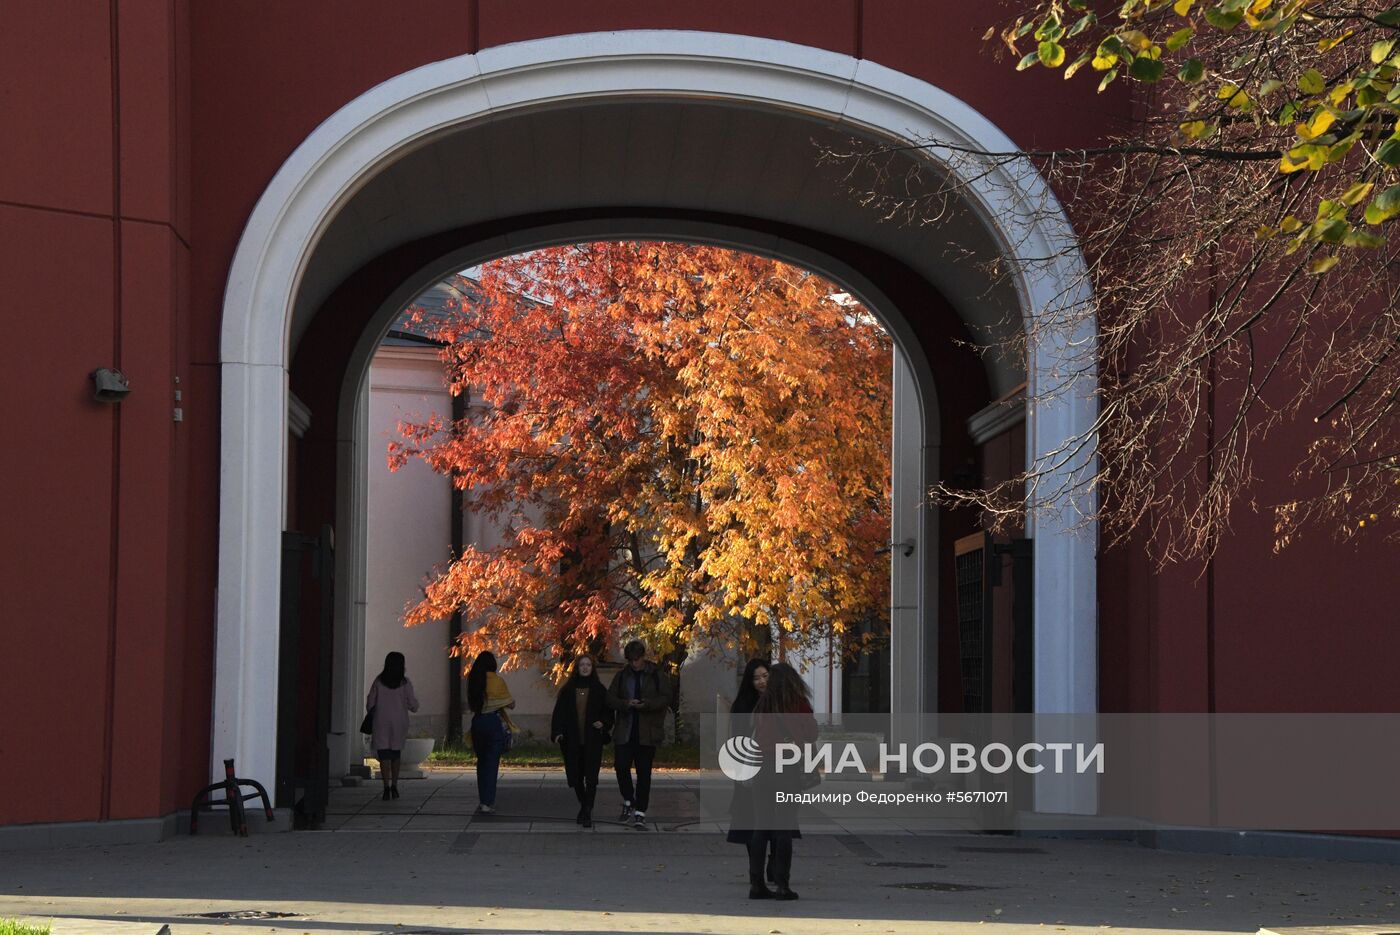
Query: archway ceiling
[{"x": 655, "y": 155}]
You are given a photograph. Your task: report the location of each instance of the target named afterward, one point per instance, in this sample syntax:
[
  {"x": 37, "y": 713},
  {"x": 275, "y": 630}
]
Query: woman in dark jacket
[
  {"x": 783, "y": 715},
  {"x": 581, "y": 725},
  {"x": 751, "y": 688}
]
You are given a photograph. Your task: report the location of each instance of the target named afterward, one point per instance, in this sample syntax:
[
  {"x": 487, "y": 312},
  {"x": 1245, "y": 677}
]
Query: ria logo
[{"x": 740, "y": 758}]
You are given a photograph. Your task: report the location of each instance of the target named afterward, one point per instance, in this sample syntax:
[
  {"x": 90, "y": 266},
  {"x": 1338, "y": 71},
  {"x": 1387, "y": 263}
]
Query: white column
[
  {"x": 352, "y": 500},
  {"x": 253, "y": 459},
  {"x": 913, "y": 576},
  {"x": 1065, "y": 576}
]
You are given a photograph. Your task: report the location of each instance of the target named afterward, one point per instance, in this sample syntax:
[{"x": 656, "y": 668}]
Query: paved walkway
[
  {"x": 526, "y": 800},
  {"x": 383, "y": 869}
]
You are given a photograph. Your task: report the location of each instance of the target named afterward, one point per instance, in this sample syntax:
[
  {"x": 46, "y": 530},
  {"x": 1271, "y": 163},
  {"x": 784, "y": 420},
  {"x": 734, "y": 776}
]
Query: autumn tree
[
  {"x": 1238, "y": 236},
  {"x": 675, "y": 442}
]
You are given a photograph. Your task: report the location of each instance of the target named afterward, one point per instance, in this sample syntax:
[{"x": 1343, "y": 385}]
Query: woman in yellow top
[{"x": 489, "y": 700}]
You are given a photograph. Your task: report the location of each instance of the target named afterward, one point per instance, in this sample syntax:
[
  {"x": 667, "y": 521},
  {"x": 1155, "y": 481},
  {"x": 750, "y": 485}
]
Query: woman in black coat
[
  {"x": 752, "y": 685},
  {"x": 581, "y": 726}
]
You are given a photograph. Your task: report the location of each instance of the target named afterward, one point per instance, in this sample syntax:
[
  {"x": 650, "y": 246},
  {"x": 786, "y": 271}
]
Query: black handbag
[{"x": 367, "y": 725}]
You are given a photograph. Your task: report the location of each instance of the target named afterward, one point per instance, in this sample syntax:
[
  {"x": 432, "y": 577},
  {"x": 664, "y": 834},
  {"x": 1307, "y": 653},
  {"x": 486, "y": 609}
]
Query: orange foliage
[{"x": 676, "y": 442}]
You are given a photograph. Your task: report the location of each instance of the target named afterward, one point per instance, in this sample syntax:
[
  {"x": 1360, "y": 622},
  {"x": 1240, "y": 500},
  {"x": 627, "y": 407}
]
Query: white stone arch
[{"x": 344, "y": 152}]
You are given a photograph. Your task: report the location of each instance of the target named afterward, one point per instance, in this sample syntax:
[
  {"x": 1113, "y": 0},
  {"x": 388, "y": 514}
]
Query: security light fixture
[{"x": 109, "y": 386}]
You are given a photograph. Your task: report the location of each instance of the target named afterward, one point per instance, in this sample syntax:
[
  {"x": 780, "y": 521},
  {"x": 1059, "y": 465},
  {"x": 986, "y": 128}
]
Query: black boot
[
  {"x": 589, "y": 791},
  {"x": 757, "y": 848},
  {"x": 757, "y": 888}
]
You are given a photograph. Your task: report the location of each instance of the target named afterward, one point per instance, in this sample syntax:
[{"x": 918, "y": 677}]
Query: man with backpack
[{"x": 640, "y": 694}]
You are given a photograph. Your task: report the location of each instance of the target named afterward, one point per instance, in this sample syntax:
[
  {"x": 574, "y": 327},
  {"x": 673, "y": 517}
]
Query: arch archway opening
[
  {"x": 664, "y": 383},
  {"x": 343, "y": 203}
]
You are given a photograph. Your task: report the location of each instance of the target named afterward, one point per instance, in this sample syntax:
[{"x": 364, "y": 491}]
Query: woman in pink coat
[{"x": 390, "y": 699}]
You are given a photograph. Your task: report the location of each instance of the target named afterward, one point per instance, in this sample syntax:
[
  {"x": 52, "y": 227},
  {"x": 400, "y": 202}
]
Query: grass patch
[
  {"x": 541, "y": 754},
  {"x": 16, "y": 927}
]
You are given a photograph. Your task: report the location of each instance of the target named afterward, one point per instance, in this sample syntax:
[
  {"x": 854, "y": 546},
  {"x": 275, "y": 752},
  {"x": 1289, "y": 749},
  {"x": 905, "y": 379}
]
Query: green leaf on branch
[
  {"x": 1322, "y": 264},
  {"x": 1330, "y": 230},
  {"x": 1028, "y": 61},
  {"x": 1192, "y": 71},
  {"x": 1380, "y": 51},
  {"x": 1179, "y": 38},
  {"x": 1365, "y": 240},
  {"x": 1146, "y": 69},
  {"x": 1050, "y": 30},
  {"x": 1329, "y": 210},
  {"x": 1052, "y": 54},
  {"x": 1357, "y": 193},
  {"x": 1081, "y": 24},
  {"x": 1389, "y": 17},
  {"x": 1077, "y": 64},
  {"x": 1389, "y": 153},
  {"x": 1108, "y": 78},
  {"x": 1384, "y": 206},
  {"x": 1369, "y": 96},
  {"x": 1338, "y": 151},
  {"x": 1311, "y": 82},
  {"x": 1224, "y": 21}
]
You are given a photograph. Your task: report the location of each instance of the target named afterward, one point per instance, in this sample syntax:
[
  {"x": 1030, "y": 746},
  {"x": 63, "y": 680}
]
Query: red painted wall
[
  {"x": 95, "y": 245},
  {"x": 126, "y": 177}
]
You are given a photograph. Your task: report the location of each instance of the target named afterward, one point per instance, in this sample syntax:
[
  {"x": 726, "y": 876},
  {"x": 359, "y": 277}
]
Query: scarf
[{"x": 497, "y": 698}]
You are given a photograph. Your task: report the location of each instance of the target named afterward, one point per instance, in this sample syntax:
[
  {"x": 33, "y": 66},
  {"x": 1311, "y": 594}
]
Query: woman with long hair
[
  {"x": 752, "y": 685},
  {"x": 580, "y": 725},
  {"x": 390, "y": 699},
  {"x": 783, "y": 714},
  {"x": 489, "y": 699}
]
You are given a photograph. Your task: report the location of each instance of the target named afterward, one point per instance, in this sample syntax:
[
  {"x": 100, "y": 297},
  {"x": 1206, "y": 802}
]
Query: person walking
[
  {"x": 489, "y": 700},
  {"x": 741, "y": 806},
  {"x": 580, "y": 725},
  {"x": 783, "y": 714},
  {"x": 640, "y": 694},
  {"x": 390, "y": 700}
]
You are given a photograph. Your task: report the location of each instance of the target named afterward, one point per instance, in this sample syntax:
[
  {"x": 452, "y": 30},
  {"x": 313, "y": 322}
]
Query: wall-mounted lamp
[{"x": 109, "y": 386}]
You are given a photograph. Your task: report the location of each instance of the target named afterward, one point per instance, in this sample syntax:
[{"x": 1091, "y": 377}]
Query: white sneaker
[
  {"x": 639, "y": 819},
  {"x": 626, "y": 815},
  {"x": 485, "y": 809}
]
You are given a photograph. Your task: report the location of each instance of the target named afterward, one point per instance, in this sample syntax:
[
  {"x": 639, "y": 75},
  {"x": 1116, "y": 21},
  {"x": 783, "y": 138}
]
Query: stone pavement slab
[{"x": 477, "y": 883}]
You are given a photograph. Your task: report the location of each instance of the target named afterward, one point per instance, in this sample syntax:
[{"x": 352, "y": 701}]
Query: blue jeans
[{"x": 488, "y": 742}]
